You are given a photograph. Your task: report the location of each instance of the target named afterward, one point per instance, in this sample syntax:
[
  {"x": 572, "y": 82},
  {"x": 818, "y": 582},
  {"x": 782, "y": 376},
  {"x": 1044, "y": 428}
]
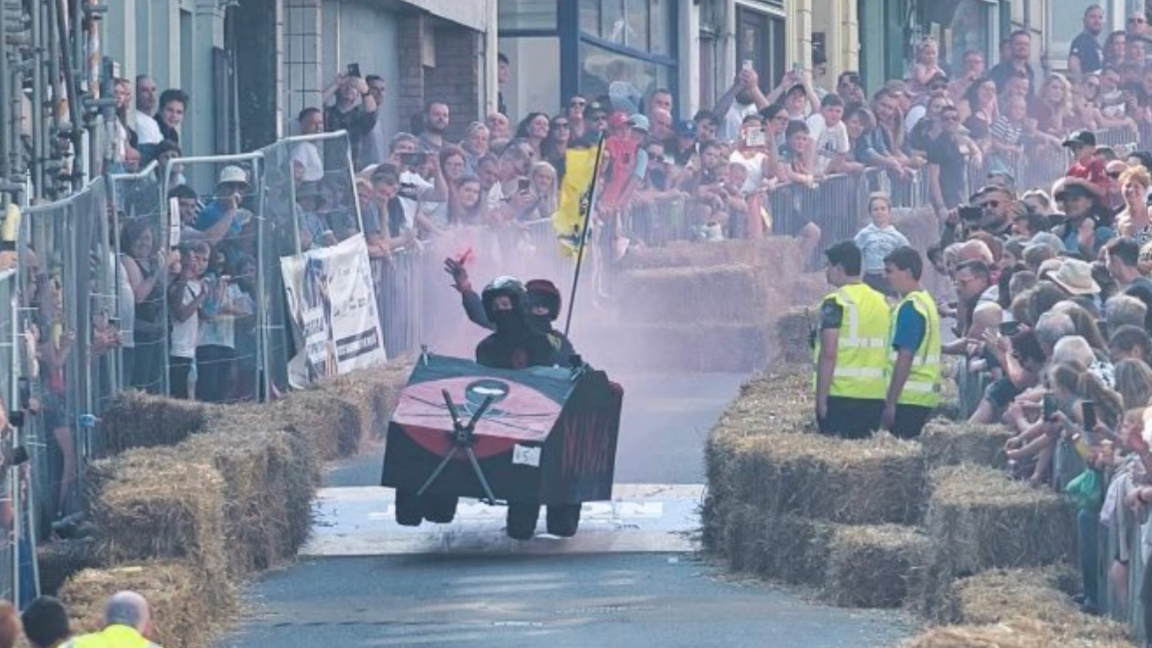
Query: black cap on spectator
[
  {"x": 1081, "y": 138},
  {"x": 686, "y": 128}
]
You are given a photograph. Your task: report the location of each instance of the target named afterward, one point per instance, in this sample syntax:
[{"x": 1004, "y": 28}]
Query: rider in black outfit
[
  {"x": 516, "y": 344},
  {"x": 542, "y": 303}
]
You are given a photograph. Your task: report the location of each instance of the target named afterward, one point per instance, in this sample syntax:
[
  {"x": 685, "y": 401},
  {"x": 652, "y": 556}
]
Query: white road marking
[{"x": 359, "y": 521}]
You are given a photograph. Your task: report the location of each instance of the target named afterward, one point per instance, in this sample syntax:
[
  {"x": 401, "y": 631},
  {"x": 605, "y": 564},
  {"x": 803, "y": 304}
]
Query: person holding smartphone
[{"x": 349, "y": 106}]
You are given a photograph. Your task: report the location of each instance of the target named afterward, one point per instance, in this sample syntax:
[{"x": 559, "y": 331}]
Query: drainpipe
[{"x": 488, "y": 100}]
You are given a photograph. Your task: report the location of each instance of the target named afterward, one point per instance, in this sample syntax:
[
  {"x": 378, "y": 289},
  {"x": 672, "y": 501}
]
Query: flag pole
[{"x": 587, "y": 209}]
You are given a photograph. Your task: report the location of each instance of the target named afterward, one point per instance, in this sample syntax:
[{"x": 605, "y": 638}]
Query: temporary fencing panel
[
  {"x": 140, "y": 230},
  {"x": 219, "y": 358},
  {"x": 68, "y": 285}
]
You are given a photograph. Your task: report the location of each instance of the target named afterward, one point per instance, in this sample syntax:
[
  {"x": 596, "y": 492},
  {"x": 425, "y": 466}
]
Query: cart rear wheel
[
  {"x": 408, "y": 509},
  {"x": 522, "y": 518},
  {"x": 440, "y": 509},
  {"x": 564, "y": 520}
]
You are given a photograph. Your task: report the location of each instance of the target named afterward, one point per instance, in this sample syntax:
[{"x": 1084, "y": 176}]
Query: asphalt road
[{"x": 558, "y": 599}]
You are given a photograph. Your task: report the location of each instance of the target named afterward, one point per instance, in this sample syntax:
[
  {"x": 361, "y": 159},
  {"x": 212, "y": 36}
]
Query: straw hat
[
  {"x": 1075, "y": 276},
  {"x": 232, "y": 174}
]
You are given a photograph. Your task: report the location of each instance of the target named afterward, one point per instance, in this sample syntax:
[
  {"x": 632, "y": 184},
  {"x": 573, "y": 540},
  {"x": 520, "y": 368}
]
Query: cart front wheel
[{"x": 408, "y": 509}]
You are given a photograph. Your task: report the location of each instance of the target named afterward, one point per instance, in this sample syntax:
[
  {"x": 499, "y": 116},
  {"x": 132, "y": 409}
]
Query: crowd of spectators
[{"x": 1048, "y": 286}]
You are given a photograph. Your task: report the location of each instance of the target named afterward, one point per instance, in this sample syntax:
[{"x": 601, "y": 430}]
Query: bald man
[{"x": 126, "y": 620}]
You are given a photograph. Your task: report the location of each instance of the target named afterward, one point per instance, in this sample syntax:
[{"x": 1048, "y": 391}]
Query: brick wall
[{"x": 455, "y": 79}]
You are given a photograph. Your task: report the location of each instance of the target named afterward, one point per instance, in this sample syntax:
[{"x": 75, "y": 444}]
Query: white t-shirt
[
  {"x": 147, "y": 130},
  {"x": 221, "y": 331},
  {"x": 734, "y": 119},
  {"x": 914, "y": 116},
  {"x": 308, "y": 156},
  {"x": 184, "y": 336},
  {"x": 754, "y": 166},
  {"x": 829, "y": 141},
  {"x": 411, "y": 203}
]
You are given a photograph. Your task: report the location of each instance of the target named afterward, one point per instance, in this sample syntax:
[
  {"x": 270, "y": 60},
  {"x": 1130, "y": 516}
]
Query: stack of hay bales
[
  {"x": 185, "y": 514},
  {"x": 807, "y": 509},
  {"x": 704, "y": 306},
  {"x": 873, "y": 523}
]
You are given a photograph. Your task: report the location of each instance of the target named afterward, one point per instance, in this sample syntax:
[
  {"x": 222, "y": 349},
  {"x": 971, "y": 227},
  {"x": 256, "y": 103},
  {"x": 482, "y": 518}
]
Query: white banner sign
[{"x": 333, "y": 304}]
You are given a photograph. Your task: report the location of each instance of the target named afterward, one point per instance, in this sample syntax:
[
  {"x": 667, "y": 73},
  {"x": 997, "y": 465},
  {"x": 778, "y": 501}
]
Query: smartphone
[
  {"x": 411, "y": 159},
  {"x": 796, "y": 67},
  {"x": 354, "y": 70},
  {"x": 1009, "y": 328},
  {"x": 971, "y": 214},
  {"x": 1089, "y": 409},
  {"x": 747, "y": 64},
  {"x": 1048, "y": 407},
  {"x": 523, "y": 185},
  {"x": 756, "y": 138}
]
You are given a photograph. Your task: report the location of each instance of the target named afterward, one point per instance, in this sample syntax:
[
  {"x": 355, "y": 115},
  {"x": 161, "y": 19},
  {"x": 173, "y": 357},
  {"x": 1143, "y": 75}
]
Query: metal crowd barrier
[
  {"x": 68, "y": 281},
  {"x": 838, "y": 205}
]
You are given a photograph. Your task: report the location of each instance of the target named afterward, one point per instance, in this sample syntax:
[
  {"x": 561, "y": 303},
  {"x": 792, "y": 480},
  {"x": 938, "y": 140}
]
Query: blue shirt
[
  {"x": 212, "y": 214},
  {"x": 910, "y": 328}
]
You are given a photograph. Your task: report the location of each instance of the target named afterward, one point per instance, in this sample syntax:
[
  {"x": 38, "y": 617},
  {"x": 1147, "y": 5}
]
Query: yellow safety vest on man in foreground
[
  {"x": 914, "y": 371},
  {"x": 851, "y": 349},
  {"x": 127, "y": 618}
]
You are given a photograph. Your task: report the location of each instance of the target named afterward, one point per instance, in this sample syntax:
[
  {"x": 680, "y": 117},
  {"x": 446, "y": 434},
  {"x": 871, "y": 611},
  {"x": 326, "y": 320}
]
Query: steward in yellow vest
[
  {"x": 851, "y": 349},
  {"x": 126, "y": 619},
  {"x": 914, "y": 371}
]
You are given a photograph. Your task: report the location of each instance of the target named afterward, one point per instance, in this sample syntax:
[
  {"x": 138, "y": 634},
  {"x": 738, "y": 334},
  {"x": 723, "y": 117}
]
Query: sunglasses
[
  {"x": 560, "y": 124},
  {"x": 577, "y": 102},
  {"x": 1115, "y": 175}
]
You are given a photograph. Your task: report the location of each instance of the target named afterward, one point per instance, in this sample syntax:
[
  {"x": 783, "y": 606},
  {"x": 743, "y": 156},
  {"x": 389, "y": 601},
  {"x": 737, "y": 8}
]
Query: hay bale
[
  {"x": 948, "y": 443},
  {"x": 1015, "y": 635},
  {"x": 269, "y": 480},
  {"x": 373, "y": 392},
  {"x": 138, "y": 420},
  {"x": 680, "y": 254},
  {"x": 728, "y": 293},
  {"x": 978, "y": 519},
  {"x": 874, "y": 481},
  {"x": 159, "y": 503},
  {"x": 874, "y": 566},
  {"x": 1003, "y": 596},
  {"x": 57, "y": 561},
  {"x": 331, "y": 426},
  {"x": 792, "y": 333},
  {"x": 787, "y": 547},
  {"x": 187, "y": 610}
]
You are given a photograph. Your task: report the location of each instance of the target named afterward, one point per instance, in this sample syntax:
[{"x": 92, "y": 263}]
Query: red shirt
[{"x": 1092, "y": 172}]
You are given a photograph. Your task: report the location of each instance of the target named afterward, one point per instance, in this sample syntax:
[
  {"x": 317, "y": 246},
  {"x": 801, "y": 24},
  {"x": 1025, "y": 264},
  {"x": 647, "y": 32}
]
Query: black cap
[
  {"x": 1081, "y": 138},
  {"x": 1071, "y": 191}
]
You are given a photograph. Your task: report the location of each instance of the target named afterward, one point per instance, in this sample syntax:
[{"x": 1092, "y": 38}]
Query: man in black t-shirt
[
  {"x": 1084, "y": 57},
  {"x": 947, "y": 164}
]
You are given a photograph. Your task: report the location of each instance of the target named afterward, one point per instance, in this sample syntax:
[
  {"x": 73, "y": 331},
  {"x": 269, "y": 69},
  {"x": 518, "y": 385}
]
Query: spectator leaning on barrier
[
  {"x": 127, "y": 619},
  {"x": 914, "y": 372},
  {"x": 45, "y": 622},
  {"x": 850, "y": 349}
]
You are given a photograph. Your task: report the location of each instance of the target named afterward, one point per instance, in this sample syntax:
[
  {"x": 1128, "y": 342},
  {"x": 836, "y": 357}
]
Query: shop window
[
  {"x": 970, "y": 28},
  {"x": 634, "y": 78},
  {"x": 645, "y": 26},
  {"x": 527, "y": 14}
]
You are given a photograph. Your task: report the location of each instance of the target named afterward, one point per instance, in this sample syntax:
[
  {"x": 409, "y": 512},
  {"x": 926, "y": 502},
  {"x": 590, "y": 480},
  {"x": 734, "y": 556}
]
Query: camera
[
  {"x": 412, "y": 159},
  {"x": 971, "y": 214},
  {"x": 1009, "y": 329}
]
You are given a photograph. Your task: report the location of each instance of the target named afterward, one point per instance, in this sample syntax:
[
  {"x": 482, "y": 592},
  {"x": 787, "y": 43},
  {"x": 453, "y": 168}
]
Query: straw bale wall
[{"x": 184, "y": 514}]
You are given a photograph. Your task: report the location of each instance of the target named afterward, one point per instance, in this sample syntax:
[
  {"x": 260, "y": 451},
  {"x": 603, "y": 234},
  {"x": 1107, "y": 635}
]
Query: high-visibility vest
[
  {"x": 113, "y": 636},
  {"x": 923, "y": 385},
  {"x": 861, "y": 353}
]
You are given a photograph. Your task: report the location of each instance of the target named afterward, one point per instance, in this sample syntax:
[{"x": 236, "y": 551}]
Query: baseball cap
[
  {"x": 1081, "y": 138},
  {"x": 639, "y": 122},
  {"x": 686, "y": 128}
]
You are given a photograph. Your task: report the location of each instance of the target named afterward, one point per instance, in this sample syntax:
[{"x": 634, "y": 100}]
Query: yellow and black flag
[{"x": 576, "y": 196}]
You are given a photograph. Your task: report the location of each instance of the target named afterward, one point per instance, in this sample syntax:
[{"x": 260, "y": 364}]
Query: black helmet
[
  {"x": 510, "y": 286},
  {"x": 542, "y": 292}
]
